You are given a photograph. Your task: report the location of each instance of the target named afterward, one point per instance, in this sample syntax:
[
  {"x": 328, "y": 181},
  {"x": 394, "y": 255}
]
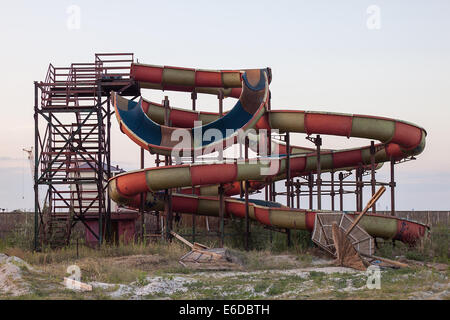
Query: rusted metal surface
[{"x": 72, "y": 157}]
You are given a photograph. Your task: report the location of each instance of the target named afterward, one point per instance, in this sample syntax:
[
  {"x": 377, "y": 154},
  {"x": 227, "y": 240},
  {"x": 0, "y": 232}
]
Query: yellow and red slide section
[{"x": 142, "y": 121}]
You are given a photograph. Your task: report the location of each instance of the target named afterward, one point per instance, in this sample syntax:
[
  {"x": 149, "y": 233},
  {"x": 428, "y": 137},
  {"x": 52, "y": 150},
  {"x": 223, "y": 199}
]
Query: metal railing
[{"x": 76, "y": 86}]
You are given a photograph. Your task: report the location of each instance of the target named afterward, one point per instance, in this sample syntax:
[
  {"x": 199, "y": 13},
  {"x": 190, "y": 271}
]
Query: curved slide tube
[{"x": 398, "y": 139}]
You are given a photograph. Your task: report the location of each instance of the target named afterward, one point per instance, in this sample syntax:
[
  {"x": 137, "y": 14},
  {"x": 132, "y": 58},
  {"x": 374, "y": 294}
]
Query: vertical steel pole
[
  {"x": 221, "y": 214},
  {"x": 100, "y": 166},
  {"x": 194, "y": 99},
  {"x": 269, "y": 154},
  {"x": 36, "y": 167},
  {"x": 298, "y": 190},
  {"x": 372, "y": 171},
  {"x": 160, "y": 221},
  {"x": 357, "y": 188},
  {"x": 108, "y": 160},
  {"x": 220, "y": 97},
  {"x": 361, "y": 186},
  {"x": 392, "y": 185},
  {"x": 141, "y": 209},
  {"x": 341, "y": 191},
  {"x": 288, "y": 181},
  {"x": 269, "y": 149},
  {"x": 168, "y": 192},
  {"x": 332, "y": 193},
  {"x": 247, "y": 218},
  {"x": 318, "y": 142},
  {"x": 221, "y": 187},
  {"x": 288, "y": 170},
  {"x": 310, "y": 186}
]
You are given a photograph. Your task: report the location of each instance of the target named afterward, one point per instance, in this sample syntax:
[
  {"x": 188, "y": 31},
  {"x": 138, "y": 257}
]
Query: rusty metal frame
[{"x": 80, "y": 91}]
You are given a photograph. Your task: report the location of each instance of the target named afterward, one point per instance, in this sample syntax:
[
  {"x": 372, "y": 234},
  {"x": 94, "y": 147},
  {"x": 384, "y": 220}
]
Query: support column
[
  {"x": 220, "y": 97},
  {"x": 167, "y": 192},
  {"x": 288, "y": 170},
  {"x": 194, "y": 100},
  {"x": 108, "y": 164},
  {"x": 221, "y": 187},
  {"x": 100, "y": 166},
  {"x": 357, "y": 188},
  {"x": 361, "y": 187},
  {"x": 318, "y": 142},
  {"x": 247, "y": 218},
  {"x": 141, "y": 209},
  {"x": 392, "y": 185},
  {"x": 288, "y": 181},
  {"x": 341, "y": 191},
  {"x": 160, "y": 221},
  {"x": 36, "y": 167},
  {"x": 332, "y": 193},
  {"x": 372, "y": 172},
  {"x": 269, "y": 154},
  {"x": 221, "y": 214},
  {"x": 310, "y": 186}
]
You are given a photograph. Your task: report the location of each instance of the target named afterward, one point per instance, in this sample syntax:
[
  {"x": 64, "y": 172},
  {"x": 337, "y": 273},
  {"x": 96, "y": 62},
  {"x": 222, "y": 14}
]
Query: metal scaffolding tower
[{"x": 72, "y": 116}]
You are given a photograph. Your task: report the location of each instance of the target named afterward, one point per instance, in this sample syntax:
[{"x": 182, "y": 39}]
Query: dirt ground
[{"x": 256, "y": 275}]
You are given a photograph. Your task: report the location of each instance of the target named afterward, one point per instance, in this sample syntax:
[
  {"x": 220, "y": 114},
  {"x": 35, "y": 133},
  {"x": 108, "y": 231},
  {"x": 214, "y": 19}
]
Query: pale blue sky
[{"x": 322, "y": 55}]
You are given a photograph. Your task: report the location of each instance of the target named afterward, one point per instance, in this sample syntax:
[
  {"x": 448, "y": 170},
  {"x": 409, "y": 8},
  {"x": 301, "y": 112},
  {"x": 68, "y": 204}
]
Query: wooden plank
[
  {"x": 200, "y": 246},
  {"x": 393, "y": 262},
  {"x": 372, "y": 201},
  {"x": 176, "y": 235},
  {"x": 216, "y": 255}
]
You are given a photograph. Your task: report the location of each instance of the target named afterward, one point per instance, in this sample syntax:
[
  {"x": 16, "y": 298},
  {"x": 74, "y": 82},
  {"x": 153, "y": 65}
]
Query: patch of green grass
[
  {"x": 359, "y": 282},
  {"x": 261, "y": 286},
  {"x": 276, "y": 288},
  {"x": 141, "y": 279},
  {"x": 340, "y": 283},
  {"x": 195, "y": 285},
  {"x": 317, "y": 276},
  {"x": 432, "y": 248},
  {"x": 340, "y": 294}
]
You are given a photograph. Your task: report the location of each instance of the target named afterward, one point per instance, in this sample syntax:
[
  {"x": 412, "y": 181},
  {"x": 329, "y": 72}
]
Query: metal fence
[{"x": 431, "y": 218}]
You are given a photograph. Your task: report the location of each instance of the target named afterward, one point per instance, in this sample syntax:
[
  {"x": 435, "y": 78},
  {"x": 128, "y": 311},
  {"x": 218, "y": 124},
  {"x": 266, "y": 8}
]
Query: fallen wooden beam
[
  {"x": 372, "y": 201},
  {"x": 176, "y": 235},
  {"x": 210, "y": 253},
  {"x": 393, "y": 262}
]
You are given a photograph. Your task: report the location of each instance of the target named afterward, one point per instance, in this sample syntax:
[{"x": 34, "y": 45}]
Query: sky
[{"x": 387, "y": 58}]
